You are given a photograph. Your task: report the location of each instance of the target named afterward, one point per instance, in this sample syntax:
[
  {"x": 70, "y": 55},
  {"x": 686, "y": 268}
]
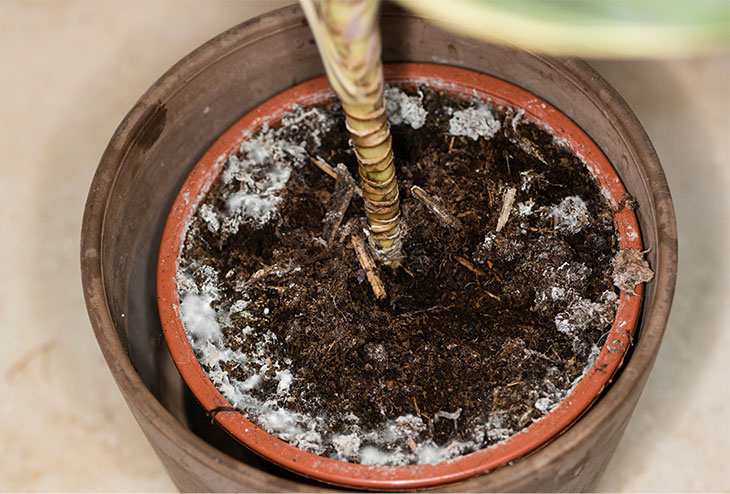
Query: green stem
[{"x": 348, "y": 39}]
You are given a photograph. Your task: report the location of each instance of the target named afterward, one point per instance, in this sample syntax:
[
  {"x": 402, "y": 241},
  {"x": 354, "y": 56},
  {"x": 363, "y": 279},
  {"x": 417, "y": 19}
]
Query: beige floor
[{"x": 68, "y": 73}]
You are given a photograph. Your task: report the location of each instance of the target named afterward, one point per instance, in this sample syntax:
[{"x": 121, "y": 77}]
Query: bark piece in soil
[{"x": 338, "y": 203}]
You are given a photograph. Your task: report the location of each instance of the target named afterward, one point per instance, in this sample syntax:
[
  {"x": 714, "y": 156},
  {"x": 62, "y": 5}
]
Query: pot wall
[{"x": 171, "y": 126}]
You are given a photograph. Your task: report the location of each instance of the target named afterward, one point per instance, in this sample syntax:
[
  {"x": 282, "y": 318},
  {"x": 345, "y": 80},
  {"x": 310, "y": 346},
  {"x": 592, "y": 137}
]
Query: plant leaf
[{"x": 595, "y": 28}]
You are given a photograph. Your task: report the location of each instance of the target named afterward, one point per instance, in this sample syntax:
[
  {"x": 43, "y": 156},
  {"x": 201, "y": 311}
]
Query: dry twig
[
  {"x": 436, "y": 206},
  {"x": 530, "y": 148},
  {"x": 368, "y": 264},
  {"x": 332, "y": 172},
  {"x": 279, "y": 270},
  {"x": 324, "y": 166},
  {"x": 469, "y": 266},
  {"x": 338, "y": 203},
  {"x": 509, "y": 199}
]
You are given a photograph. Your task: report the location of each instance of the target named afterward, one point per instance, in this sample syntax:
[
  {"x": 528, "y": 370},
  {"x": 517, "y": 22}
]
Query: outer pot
[
  {"x": 463, "y": 83},
  {"x": 171, "y": 126}
]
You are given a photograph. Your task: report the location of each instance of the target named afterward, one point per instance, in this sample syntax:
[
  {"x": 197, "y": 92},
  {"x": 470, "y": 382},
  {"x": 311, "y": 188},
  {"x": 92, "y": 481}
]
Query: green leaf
[{"x": 595, "y": 28}]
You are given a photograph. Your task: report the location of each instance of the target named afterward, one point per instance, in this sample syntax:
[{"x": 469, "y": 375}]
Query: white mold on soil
[
  {"x": 547, "y": 402},
  {"x": 263, "y": 168},
  {"x": 583, "y": 314},
  {"x": 403, "y": 109},
  {"x": 199, "y": 319},
  {"x": 347, "y": 446},
  {"x": 259, "y": 202},
  {"x": 525, "y": 208},
  {"x": 571, "y": 214},
  {"x": 204, "y": 322},
  {"x": 256, "y": 178},
  {"x": 475, "y": 122}
]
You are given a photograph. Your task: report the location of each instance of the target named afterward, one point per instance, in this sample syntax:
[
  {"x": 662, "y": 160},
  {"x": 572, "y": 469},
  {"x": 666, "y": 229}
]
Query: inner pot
[
  {"x": 462, "y": 83},
  {"x": 167, "y": 131}
]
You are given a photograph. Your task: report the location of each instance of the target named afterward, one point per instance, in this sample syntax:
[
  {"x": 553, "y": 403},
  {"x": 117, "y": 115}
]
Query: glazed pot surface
[{"x": 156, "y": 146}]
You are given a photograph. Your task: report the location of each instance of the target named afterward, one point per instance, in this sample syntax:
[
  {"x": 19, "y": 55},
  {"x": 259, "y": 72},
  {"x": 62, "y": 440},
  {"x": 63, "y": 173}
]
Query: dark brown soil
[{"x": 464, "y": 329}]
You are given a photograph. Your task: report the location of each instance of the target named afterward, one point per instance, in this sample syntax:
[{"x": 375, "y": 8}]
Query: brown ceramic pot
[{"x": 181, "y": 115}]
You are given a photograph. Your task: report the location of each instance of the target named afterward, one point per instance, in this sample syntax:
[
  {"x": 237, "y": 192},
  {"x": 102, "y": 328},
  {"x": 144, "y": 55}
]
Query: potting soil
[{"x": 483, "y": 330}]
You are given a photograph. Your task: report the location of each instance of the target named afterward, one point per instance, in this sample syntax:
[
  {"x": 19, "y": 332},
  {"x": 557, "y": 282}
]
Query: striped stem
[{"x": 348, "y": 39}]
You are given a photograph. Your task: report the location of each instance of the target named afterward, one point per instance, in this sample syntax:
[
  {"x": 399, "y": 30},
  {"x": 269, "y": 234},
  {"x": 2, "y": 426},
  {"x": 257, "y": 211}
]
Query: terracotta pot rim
[
  {"x": 167, "y": 432},
  {"x": 537, "y": 434}
]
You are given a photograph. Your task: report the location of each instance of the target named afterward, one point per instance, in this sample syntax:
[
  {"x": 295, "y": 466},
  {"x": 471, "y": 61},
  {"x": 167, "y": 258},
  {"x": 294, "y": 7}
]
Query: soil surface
[{"x": 482, "y": 331}]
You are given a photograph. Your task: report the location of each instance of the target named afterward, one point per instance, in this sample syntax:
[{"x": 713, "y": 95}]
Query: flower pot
[
  {"x": 463, "y": 83},
  {"x": 179, "y": 118}
]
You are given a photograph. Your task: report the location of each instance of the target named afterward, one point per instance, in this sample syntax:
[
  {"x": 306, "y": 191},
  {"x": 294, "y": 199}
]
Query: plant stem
[{"x": 348, "y": 39}]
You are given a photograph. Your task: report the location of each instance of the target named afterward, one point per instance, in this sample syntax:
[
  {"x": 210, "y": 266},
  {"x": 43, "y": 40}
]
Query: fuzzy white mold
[
  {"x": 571, "y": 214},
  {"x": 257, "y": 177},
  {"x": 403, "y": 109},
  {"x": 475, "y": 122}
]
